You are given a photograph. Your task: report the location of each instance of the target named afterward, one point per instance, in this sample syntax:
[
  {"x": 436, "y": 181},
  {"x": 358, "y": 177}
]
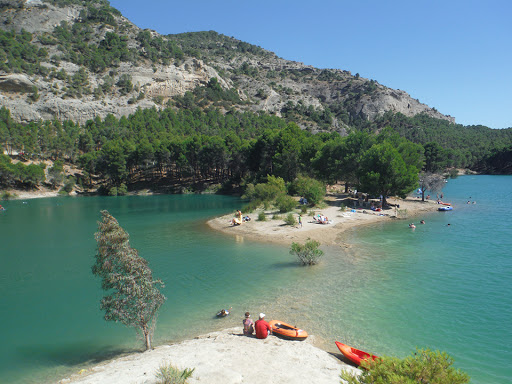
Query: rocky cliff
[{"x": 262, "y": 80}]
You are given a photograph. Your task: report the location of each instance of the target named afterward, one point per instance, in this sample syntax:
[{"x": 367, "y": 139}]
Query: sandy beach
[
  {"x": 276, "y": 231},
  {"x": 225, "y": 357},
  {"x": 26, "y": 195}
]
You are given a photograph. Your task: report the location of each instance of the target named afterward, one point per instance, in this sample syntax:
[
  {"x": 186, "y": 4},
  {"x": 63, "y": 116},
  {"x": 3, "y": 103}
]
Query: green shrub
[
  {"x": 169, "y": 374},
  {"x": 275, "y": 216},
  {"x": 125, "y": 84},
  {"x": 250, "y": 192},
  {"x": 285, "y": 203},
  {"x": 453, "y": 173},
  {"x": 290, "y": 219},
  {"x": 424, "y": 366},
  {"x": 250, "y": 207},
  {"x": 212, "y": 189},
  {"x": 112, "y": 191},
  {"x": 69, "y": 184},
  {"x": 6, "y": 195},
  {"x": 308, "y": 253},
  {"x": 262, "y": 216},
  {"x": 313, "y": 190},
  {"x": 266, "y": 192},
  {"x": 122, "y": 190}
]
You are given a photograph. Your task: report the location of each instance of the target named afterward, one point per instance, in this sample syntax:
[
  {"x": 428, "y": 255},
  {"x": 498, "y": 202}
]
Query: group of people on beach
[
  {"x": 321, "y": 219},
  {"x": 261, "y": 326}
]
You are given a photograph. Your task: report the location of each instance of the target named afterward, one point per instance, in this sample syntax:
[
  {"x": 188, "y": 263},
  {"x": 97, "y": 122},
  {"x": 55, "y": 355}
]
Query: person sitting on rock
[
  {"x": 248, "y": 324},
  {"x": 263, "y": 328}
]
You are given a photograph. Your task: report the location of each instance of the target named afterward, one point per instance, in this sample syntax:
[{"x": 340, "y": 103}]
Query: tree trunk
[{"x": 147, "y": 337}]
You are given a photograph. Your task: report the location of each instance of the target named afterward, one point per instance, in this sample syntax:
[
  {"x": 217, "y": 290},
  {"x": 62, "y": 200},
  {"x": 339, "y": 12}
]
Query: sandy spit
[
  {"x": 275, "y": 231},
  {"x": 225, "y": 357}
]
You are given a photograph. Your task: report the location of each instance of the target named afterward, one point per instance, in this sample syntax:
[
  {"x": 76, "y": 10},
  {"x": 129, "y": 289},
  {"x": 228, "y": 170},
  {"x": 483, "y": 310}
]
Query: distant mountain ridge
[{"x": 89, "y": 61}]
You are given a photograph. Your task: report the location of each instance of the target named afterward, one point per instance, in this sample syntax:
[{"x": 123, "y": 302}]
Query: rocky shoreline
[{"x": 225, "y": 357}]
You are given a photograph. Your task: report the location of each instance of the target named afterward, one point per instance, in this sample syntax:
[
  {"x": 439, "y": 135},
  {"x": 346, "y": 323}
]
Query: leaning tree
[{"x": 133, "y": 297}]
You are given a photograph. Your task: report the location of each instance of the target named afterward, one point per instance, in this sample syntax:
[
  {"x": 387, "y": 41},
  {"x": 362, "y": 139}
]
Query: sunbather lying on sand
[{"x": 321, "y": 219}]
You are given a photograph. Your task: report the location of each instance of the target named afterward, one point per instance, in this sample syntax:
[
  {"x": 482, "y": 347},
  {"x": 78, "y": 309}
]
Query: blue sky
[{"x": 455, "y": 55}]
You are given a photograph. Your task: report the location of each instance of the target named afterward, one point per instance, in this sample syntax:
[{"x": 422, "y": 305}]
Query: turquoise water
[
  {"x": 50, "y": 299},
  {"x": 388, "y": 289}
]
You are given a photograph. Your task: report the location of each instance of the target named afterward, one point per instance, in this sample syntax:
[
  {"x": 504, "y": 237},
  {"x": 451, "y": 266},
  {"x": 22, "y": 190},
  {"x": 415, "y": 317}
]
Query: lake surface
[{"x": 391, "y": 289}]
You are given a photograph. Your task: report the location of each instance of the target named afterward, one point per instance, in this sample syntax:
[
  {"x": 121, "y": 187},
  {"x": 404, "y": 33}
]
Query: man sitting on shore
[{"x": 263, "y": 328}]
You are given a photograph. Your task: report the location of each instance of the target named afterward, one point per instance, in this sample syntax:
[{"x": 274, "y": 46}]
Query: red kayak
[{"x": 353, "y": 354}]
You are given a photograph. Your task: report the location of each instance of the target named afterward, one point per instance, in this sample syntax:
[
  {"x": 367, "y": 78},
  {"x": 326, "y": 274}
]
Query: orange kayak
[
  {"x": 287, "y": 331},
  {"x": 353, "y": 354}
]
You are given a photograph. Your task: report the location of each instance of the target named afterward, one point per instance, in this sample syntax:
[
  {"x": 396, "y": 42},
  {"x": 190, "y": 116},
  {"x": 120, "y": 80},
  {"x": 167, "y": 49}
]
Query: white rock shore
[{"x": 225, "y": 357}]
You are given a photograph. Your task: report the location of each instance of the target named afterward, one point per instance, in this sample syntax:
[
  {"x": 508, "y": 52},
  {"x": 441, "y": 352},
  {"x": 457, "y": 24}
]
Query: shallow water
[
  {"x": 391, "y": 290},
  {"x": 438, "y": 286}
]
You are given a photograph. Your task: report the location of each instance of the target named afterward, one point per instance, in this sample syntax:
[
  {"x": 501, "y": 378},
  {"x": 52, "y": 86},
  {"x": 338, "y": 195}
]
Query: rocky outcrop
[
  {"x": 172, "y": 81},
  {"x": 34, "y": 16},
  {"x": 372, "y": 106},
  {"x": 15, "y": 83}
]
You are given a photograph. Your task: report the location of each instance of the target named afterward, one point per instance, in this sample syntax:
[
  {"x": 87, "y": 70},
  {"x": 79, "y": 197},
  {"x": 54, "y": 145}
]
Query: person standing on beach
[
  {"x": 263, "y": 328},
  {"x": 248, "y": 324},
  {"x": 300, "y": 221}
]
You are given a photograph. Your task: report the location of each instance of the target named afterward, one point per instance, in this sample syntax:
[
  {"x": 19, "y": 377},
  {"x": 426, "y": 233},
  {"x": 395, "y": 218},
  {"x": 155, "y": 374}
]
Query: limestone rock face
[
  {"x": 15, "y": 83},
  {"x": 34, "y": 16},
  {"x": 172, "y": 81},
  {"x": 395, "y": 101}
]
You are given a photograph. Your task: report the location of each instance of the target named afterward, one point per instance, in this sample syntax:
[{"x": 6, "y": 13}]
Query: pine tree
[{"x": 133, "y": 297}]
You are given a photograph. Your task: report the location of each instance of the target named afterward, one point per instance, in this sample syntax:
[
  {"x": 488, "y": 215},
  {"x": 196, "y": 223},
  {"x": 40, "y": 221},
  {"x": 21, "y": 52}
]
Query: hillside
[
  {"x": 130, "y": 109},
  {"x": 81, "y": 59}
]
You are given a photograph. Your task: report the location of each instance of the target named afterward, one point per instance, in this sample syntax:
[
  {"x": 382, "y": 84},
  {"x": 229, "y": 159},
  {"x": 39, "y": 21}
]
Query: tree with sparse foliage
[
  {"x": 308, "y": 253},
  {"x": 432, "y": 182},
  {"x": 133, "y": 297},
  {"x": 424, "y": 366}
]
